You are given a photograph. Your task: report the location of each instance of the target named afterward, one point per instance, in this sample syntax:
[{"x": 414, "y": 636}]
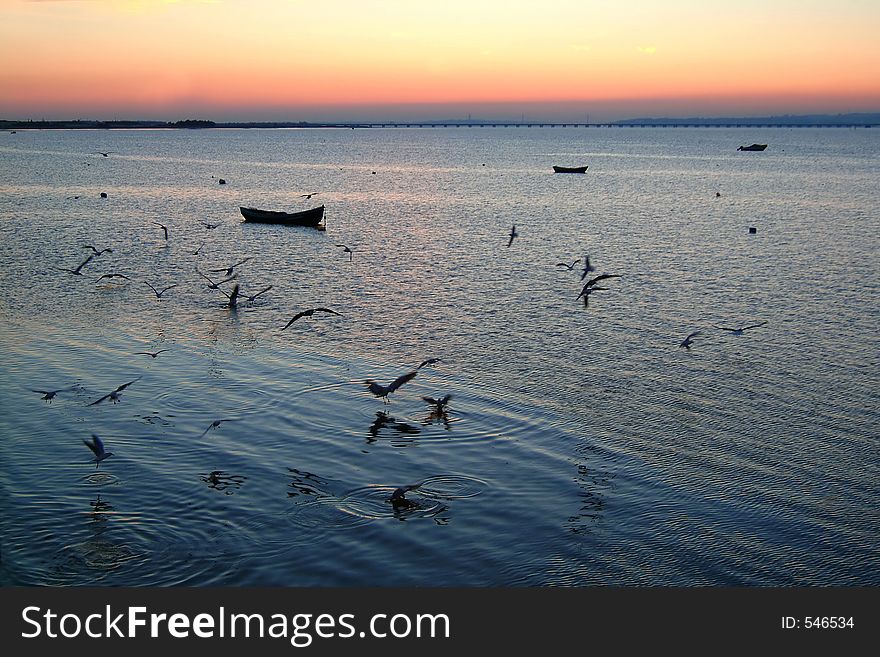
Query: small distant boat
[
  {"x": 305, "y": 218},
  {"x": 557, "y": 169},
  {"x": 753, "y": 147}
]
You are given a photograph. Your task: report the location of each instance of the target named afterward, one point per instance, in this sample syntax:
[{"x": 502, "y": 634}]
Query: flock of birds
[{"x": 229, "y": 274}]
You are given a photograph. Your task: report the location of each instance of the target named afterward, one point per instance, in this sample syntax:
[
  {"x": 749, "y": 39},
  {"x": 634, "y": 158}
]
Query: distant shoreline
[{"x": 866, "y": 120}]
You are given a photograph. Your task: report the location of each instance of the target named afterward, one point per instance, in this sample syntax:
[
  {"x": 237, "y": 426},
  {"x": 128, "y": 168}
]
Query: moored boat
[
  {"x": 753, "y": 147},
  {"x": 557, "y": 169},
  {"x": 310, "y": 217}
]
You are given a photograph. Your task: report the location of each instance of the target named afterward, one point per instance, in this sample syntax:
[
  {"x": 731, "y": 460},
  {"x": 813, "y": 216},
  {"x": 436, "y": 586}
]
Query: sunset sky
[{"x": 409, "y": 59}]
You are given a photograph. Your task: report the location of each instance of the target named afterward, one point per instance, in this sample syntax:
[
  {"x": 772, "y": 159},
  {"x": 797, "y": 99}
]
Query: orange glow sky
[{"x": 398, "y": 59}]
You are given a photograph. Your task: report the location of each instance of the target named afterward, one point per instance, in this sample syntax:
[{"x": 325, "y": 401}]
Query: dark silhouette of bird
[
  {"x": 399, "y": 494},
  {"x": 513, "y": 234},
  {"x": 151, "y": 354},
  {"x": 591, "y": 284},
  {"x": 569, "y": 267},
  {"x": 308, "y": 196},
  {"x": 740, "y": 330},
  {"x": 215, "y": 424},
  {"x": 228, "y": 270},
  {"x": 222, "y": 181},
  {"x": 103, "y": 194},
  {"x": 253, "y": 297},
  {"x": 309, "y": 313},
  {"x": 78, "y": 270},
  {"x": 159, "y": 293},
  {"x": 49, "y": 395},
  {"x": 97, "y": 447},
  {"x": 429, "y": 361},
  {"x": 588, "y": 268},
  {"x": 211, "y": 284},
  {"x": 112, "y": 275},
  {"x": 95, "y": 251},
  {"x": 196, "y": 252},
  {"x": 163, "y": 227},
  {"x": 383, "y": 391},
  {"x": 114, "y": 395},
  {"x": 689, "y": 340},
  {"x": 107, "y": 154},
  {"x": 346, "y": 250},
  {"x": 438, "y": 404},
  {"x": 210, "y": 226},
  {"x": 233, "y": 296}
]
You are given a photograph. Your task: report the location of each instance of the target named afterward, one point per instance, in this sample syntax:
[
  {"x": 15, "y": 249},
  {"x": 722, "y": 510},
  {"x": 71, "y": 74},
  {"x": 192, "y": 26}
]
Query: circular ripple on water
[
  {"x": 452, "y": 487},
  {"x": 99, "y": 478},
  {"x": 235, "y": 397}
]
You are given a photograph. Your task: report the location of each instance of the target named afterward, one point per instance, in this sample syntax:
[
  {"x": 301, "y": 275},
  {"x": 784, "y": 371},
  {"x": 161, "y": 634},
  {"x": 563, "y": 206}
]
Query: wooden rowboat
[
  {"x": 305, "y": 218},
  {"x": 557, "y": 169}
]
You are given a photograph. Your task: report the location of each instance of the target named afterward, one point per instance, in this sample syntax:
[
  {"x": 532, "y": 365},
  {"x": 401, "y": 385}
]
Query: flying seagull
[
  {"x": 211, "y": 284},
  {"x": 95, "y": 251},
  {"x": 308, "y": 196},
  {"x": 107, "y": 154},
  {"x": 383, "y": 391},
  {"x": 163, "y": 227},
  {"x": 438, "y": 404},
  {"x": 741, "y": 329},
  {"x": 159, "y": 293},
  {"x": 689, "y": 340},
  {"x": 77, "y": 271},
  {"x": 49, "y": 395},
  {"x": 346, "y": 250},
  {"x": 97, "y": 447},
  {"x": 114, "y": 396},
  {"x": 228, "y": 270},
  {"x": 590, "y": 285},
  {"x": 253, "y": 297},
  {"x": 587, "y": 267},
  {"x": 569, "y": 267},
  {"x": 430, "y": 361},
  {"x": 215, "y": 424},
  {"x": 113, "y": 275},
  {"x": 309, "y": 313},
  {"x": 513, "y": 234},
  {"x": 151, "y": 354},
  {"x": 196, "y": 252},
  {"x": 210, "y": 226}
]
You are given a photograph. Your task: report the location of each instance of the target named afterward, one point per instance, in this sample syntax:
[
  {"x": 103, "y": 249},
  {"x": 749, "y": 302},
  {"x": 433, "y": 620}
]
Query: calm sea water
[{"x": 581, "y": 446}]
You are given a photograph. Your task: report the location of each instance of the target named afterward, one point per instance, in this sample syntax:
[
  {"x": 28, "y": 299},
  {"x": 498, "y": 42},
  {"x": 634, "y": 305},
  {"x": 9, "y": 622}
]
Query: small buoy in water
[
  {"x": 752, "y": 230},
  {"x": 103, "y": 194},
  {"x": 717, "y": 194},
  {"x": 222, "y": 181}
]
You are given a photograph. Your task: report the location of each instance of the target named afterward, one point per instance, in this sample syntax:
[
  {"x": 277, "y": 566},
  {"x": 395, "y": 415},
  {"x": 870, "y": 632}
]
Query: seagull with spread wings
[
  {"x": 383, "y": 391},
  {"x": 513, "y": 234},
  {"x": 309, "y": 313},
  {"x": 740, "y": 330},
  {"x": 159, "y": 293},
  {"x": 689, "y": 340},
  {"x": 228, "y": 270},
  {"x": 114, "y": 395}
]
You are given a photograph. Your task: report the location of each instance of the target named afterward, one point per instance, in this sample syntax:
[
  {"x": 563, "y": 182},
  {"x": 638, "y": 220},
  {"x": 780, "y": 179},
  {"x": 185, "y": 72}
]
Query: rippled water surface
[{"x": 581, "y": 446}]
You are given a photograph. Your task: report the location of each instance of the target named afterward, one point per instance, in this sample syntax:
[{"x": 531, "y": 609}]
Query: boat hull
[
  {"x": 753, "y": 147},
  {"x": 557, "y": 169},
  {"x": 311, "y": 217}
]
